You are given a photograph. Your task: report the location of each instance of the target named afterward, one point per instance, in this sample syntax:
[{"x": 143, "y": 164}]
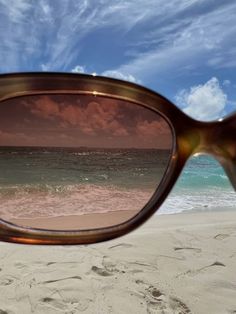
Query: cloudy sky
[
  {"x": 75, "y": 121},
  {"x": 185, "y": 49}
]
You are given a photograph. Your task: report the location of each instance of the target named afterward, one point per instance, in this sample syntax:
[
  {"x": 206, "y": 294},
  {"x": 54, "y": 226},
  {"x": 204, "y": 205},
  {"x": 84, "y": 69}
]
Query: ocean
[
  {"x": 202, "y": 185},
  {"x": 49, "y": 182}
]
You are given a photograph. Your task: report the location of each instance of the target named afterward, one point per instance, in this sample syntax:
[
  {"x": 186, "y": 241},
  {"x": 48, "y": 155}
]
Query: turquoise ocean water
[
  {"x": 64, "y": 181},
  {"x": 203, "y": 185}
]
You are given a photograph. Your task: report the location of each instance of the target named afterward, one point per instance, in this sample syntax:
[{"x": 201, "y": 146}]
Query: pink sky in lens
[{"x": 78, "y": 120}]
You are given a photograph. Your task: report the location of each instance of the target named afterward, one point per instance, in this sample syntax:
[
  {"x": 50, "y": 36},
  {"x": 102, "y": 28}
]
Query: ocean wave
[
  {"x": 47, "y": 201},
  {"x": 27, "y": 201},
  {"x": 181, "y": 200}
]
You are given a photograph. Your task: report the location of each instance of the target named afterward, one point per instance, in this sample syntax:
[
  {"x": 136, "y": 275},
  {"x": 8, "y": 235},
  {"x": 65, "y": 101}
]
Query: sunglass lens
[{"x": 72, "y": 162}]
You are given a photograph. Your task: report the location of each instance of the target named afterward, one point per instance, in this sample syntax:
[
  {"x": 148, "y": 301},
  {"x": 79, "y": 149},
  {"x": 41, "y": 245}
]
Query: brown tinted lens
[{"x": 77, "y": 161}]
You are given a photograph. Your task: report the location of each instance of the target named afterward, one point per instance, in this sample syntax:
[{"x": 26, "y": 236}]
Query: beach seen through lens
[{"x": 79, "y": 162}]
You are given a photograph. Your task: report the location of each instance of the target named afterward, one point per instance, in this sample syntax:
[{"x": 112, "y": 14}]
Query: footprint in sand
[
  {"x": 167, "y": 305},
  {"x": 4, "y": 312},
  {"x": 6, "y": 281},
  {"x": 178, "y": 305},
  {"x": 64, "y": 305},
  {"x": 197, "y": 271},
  {"x": 109, "y": 268},
  {"x": 54, "y": 303},
  {"x": 61, "y": 279},
  {"x": 101, "y": 271},
  {"x": 121, "y": 245},
  {"x": 20, "y": 265},
  {"x": 158, "y": 302},
  {"x": 221, "y": 236},
  {"x": 194, "y": 249}
]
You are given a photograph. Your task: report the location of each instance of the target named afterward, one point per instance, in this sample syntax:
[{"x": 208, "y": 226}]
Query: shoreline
[
  {"x": 101, "y": 220},
  {"x": 73, "y": 222}
]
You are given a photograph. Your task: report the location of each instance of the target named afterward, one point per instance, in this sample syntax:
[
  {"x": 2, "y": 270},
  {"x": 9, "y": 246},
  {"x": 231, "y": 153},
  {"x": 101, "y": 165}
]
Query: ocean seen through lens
[
  {"x": 67, "y": 181},
  {"x": 42, "y": 182}
]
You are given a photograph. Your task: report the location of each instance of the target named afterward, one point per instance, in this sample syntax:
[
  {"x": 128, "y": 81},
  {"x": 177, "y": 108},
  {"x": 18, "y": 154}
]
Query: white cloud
[
  {"x": 172, "y": 34},
  {"x": 196, "y": 39},
  {"x": 16, "y": 10},
  {"x": 44, "y": 67},
  {"x": 109, "y": 73},
  {"x": 79, "y": 69},
  {"x": 120, "y": 76},
  {"x": 226, "y": 82},
  {"x": 203, "y": 102},
  {"x": 225, "y": 58}
]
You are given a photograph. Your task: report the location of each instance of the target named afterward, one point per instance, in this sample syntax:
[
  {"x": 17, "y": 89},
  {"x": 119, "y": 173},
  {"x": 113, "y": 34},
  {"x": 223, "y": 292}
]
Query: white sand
[{"x": 183, "y": 263}]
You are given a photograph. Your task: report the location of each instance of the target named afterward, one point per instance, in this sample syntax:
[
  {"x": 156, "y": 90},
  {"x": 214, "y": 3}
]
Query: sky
[
  {"x": 183, "y": 49},
  {"x": 75, "y": 121}
]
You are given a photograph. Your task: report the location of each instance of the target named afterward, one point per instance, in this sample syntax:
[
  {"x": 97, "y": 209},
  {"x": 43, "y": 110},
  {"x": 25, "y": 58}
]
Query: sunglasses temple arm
[
  {"x": 230, "y": 170},
  {"x": 224, "y": 137}
]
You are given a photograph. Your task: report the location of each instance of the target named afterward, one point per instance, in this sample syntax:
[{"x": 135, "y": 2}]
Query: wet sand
[{"x": 77, "y": 222}]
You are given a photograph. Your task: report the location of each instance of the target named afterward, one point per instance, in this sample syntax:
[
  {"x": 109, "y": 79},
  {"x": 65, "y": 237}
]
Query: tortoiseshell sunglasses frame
[{"x": 190, "y": 137}]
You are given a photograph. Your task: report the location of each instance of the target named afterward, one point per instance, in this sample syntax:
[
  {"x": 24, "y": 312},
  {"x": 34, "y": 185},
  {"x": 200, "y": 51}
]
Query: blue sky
[{"x": 184, "y": 49}]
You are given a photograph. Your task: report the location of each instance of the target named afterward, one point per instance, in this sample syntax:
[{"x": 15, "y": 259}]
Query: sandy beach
[
  {"x": 77, "y": 222},
  {"x": 181, "y": 263}
]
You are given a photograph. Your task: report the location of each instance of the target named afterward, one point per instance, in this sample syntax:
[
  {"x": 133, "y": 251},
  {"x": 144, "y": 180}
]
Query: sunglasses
[{"x": 85, "y": 159}]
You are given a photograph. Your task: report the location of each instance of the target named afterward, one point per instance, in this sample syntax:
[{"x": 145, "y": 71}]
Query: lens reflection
[{"x": 78, "y": 162}]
